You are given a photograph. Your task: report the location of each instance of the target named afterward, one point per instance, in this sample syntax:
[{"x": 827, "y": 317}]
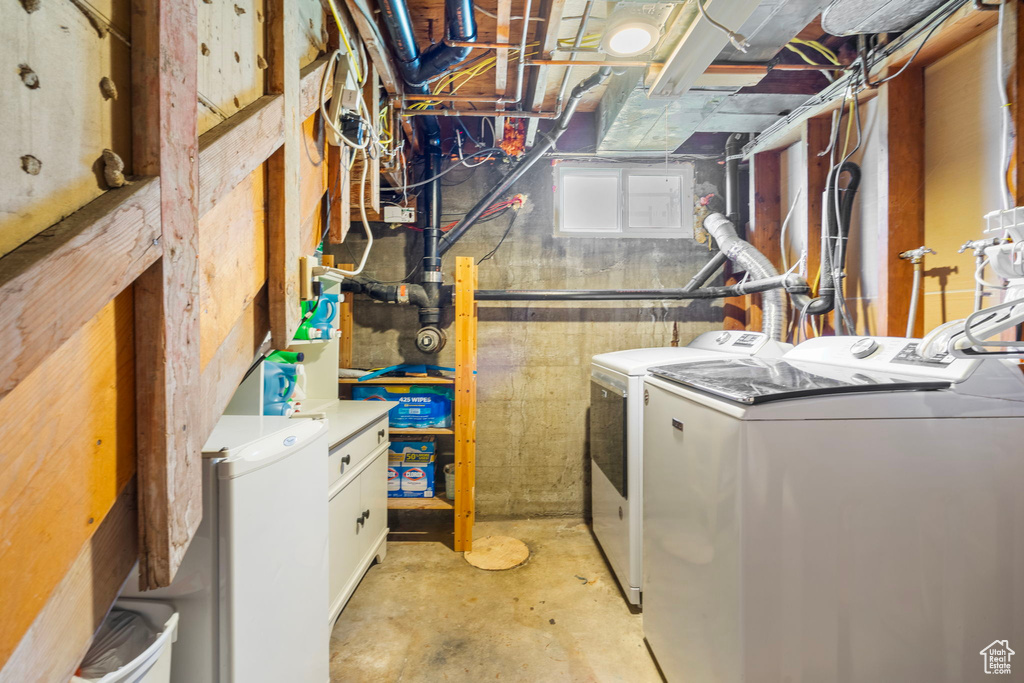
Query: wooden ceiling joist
[{"x": 546, "y": 34}]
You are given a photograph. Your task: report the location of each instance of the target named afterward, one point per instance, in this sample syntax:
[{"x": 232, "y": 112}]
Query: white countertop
[{"x": 345, "y": 418}]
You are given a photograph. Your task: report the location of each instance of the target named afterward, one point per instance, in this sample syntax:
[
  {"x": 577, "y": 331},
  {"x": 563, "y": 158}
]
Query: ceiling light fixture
[{"x": 630, "y": 31}]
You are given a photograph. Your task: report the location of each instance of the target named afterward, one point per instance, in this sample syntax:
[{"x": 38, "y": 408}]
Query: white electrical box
[{"x": 399, "y": 214}]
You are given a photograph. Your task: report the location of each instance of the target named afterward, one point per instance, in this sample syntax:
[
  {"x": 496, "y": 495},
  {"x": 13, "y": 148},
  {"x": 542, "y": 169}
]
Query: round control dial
[
  {"x": 862, "y": 348},
  {"x": 722, "y": 338}
]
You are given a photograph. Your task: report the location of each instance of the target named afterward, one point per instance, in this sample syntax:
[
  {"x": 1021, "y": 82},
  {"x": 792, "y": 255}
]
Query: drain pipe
[
  {"x": 746, "y": 257},
  {"x": 733, "y": 155},
  {"x": 527, "y": 162},
  {"x": 832, "y": 230},
  {"x": 775, "y": 283}
]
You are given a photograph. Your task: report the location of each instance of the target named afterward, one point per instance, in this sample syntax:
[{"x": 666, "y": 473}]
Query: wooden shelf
[
  {"x": 436, "y": 503},
  {"x": 304, "y": 342},
  {"x": 412, "y": 432},
  {"x": 398, "y": 380}
]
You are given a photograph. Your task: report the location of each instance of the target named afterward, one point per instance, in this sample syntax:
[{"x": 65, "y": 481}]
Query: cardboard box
[{"x": 411, "y": 469}]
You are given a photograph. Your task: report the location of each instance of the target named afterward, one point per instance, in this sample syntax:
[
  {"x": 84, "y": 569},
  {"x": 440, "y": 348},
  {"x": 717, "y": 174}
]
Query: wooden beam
[
  {"x": 89, "y": 257},
  {"x": 902, "y": 190},
  {"x": 345, "y": 312},
  {"x": 284, "y": 219},
  {"x": 311, "y": 77},
  {"x": 226, "y": 369},
  {"x": 229, "y": 152},
  {"x": 165, "y": 143},
  {"x": 378, "y": 53},
  {"x": 765, "y": 228},
  {"x": 54, "y": 645},
  {"x": 339, "y": 194},
  {"x": 504, "y": 22},
  {"x": 546, "y": 34},
  {"x": 465, "y": 402}
]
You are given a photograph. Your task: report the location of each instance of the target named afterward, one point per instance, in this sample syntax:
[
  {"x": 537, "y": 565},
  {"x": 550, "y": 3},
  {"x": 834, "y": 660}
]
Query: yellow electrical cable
[
  {"x": 804, "y": 57},
  {"x": 344, "y": 39},
  {"x": 815, "y": 45}
]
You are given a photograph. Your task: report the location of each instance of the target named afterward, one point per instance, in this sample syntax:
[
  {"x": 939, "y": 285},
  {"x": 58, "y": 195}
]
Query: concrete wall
[{"x": 532, "y": 450}]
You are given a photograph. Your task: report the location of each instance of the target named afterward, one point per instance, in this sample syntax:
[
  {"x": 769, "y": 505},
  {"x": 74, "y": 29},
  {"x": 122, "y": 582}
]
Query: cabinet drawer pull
[
  {"x": 380, "y": 435},
  {"x": 366, "y": 514},
  {"x": 677, "y": 424},
  {"x": 346, "y": 459},
  {"x": 360, "y": 520}
]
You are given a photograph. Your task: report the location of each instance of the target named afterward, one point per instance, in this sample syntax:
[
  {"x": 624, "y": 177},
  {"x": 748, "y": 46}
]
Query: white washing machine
[
  {"x": 616, "y": 419},
  {"x": 850, "y": 512}
]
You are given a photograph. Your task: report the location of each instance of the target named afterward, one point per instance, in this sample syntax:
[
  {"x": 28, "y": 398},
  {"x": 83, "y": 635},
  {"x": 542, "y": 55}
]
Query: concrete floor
[{"x": 425, "y": 614}]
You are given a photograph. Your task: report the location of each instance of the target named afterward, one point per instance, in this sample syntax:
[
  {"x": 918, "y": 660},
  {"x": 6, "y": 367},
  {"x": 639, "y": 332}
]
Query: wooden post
[
  {"x": 902, "y": 191},
  {"x": 165, "y": 143},
  {"x": 765, "y": 228},
  {"x": 283, "y": 183},
  {"x": 465, "y": 402},
  {"x": 345, "y": 310}
]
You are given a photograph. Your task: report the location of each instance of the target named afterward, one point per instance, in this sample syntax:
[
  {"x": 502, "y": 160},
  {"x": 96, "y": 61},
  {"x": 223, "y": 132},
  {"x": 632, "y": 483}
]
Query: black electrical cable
[{"x": 502, "y": 240}]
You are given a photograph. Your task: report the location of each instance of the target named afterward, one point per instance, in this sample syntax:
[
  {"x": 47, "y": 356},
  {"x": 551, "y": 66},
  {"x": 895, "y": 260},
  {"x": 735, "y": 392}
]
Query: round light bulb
[{"x": 630, "y": 40}]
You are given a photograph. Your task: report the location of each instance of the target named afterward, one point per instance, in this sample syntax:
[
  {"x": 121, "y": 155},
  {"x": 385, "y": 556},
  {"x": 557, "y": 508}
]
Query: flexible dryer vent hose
[{"x": 746, "y": 257}]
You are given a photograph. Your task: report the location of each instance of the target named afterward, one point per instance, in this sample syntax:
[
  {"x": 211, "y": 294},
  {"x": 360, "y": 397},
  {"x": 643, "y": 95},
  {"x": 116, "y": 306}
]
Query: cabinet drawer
[{"x": 345, "y": 456}]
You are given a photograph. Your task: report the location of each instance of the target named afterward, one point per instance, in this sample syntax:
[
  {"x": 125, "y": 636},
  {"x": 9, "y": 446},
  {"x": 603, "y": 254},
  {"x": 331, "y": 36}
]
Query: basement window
[{"x": 624, "y": 200}]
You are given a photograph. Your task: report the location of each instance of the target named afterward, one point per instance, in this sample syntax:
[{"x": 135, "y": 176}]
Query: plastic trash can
[{"x": 153, "y": 664}]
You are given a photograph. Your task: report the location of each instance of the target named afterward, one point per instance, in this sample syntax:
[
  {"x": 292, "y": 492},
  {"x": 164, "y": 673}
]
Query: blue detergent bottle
[
  {"x": 323, "y": 316},
  {"x": 279, "y": 380}
]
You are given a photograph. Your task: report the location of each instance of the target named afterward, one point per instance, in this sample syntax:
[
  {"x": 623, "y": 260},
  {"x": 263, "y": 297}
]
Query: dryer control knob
[
  {"x": 722, "y": 338},
  {"x": 862, "y": 348}
]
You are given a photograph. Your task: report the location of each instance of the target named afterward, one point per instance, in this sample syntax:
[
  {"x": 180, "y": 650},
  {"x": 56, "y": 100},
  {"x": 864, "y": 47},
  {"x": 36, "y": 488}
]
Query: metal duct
[
  {"x": 744, "y": 255},
  {"x": 853, "y": 17}
]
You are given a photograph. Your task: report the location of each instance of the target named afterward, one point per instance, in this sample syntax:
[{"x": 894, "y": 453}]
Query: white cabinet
[{"x": 357, "y": 517}]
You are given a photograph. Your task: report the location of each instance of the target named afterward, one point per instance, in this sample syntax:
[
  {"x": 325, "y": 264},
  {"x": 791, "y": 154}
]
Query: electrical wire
[
  {"x": 490, "y": 254},
  {"x": 738, "y": 41},
  {"x": 785, "y": 224},
  {"x": 492, "y": 15},
  {"x": 489, "y": 151}
]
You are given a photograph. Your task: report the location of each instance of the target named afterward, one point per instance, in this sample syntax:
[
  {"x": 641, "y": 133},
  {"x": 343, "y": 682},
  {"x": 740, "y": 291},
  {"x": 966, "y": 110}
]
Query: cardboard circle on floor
[{"x": 495, "y": 553}]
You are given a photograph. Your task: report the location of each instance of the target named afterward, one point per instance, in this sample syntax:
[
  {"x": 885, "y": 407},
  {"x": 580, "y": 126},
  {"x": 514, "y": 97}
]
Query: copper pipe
[
  {"x": 441, "y": 97},
  {"x": 482, "y": 113},
  {"x": 583, "y": 62},
  {"x": 485, "y": 46}
]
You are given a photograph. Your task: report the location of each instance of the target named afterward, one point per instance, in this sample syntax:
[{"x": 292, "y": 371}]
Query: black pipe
[
  {"x": 528, "y": 160},
  {"x": 793, "y": 283},
  {"x": 419, "y": 68},
  {"x": 709, "y": 269},
  {"x": 430, "y": 280},
  {"x": 833, "y": 229},
  {"x": 733, "y": 152}
]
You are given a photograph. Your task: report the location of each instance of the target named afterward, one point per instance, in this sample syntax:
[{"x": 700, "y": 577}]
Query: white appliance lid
[
  {"x": 760, "y": 380},
  {"x": 249, "y": 442}
]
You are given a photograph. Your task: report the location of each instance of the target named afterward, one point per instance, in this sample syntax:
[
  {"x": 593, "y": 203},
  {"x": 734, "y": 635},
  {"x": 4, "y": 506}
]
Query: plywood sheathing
[
  {"x": 233, "y": 258},
  {"x": 54, "y": 111},
  {"x": 68, "y": 435}
]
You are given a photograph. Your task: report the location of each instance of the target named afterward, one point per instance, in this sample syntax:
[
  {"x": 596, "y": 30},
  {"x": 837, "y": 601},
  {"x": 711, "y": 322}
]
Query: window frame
[{"x": 684, "y": 170}]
